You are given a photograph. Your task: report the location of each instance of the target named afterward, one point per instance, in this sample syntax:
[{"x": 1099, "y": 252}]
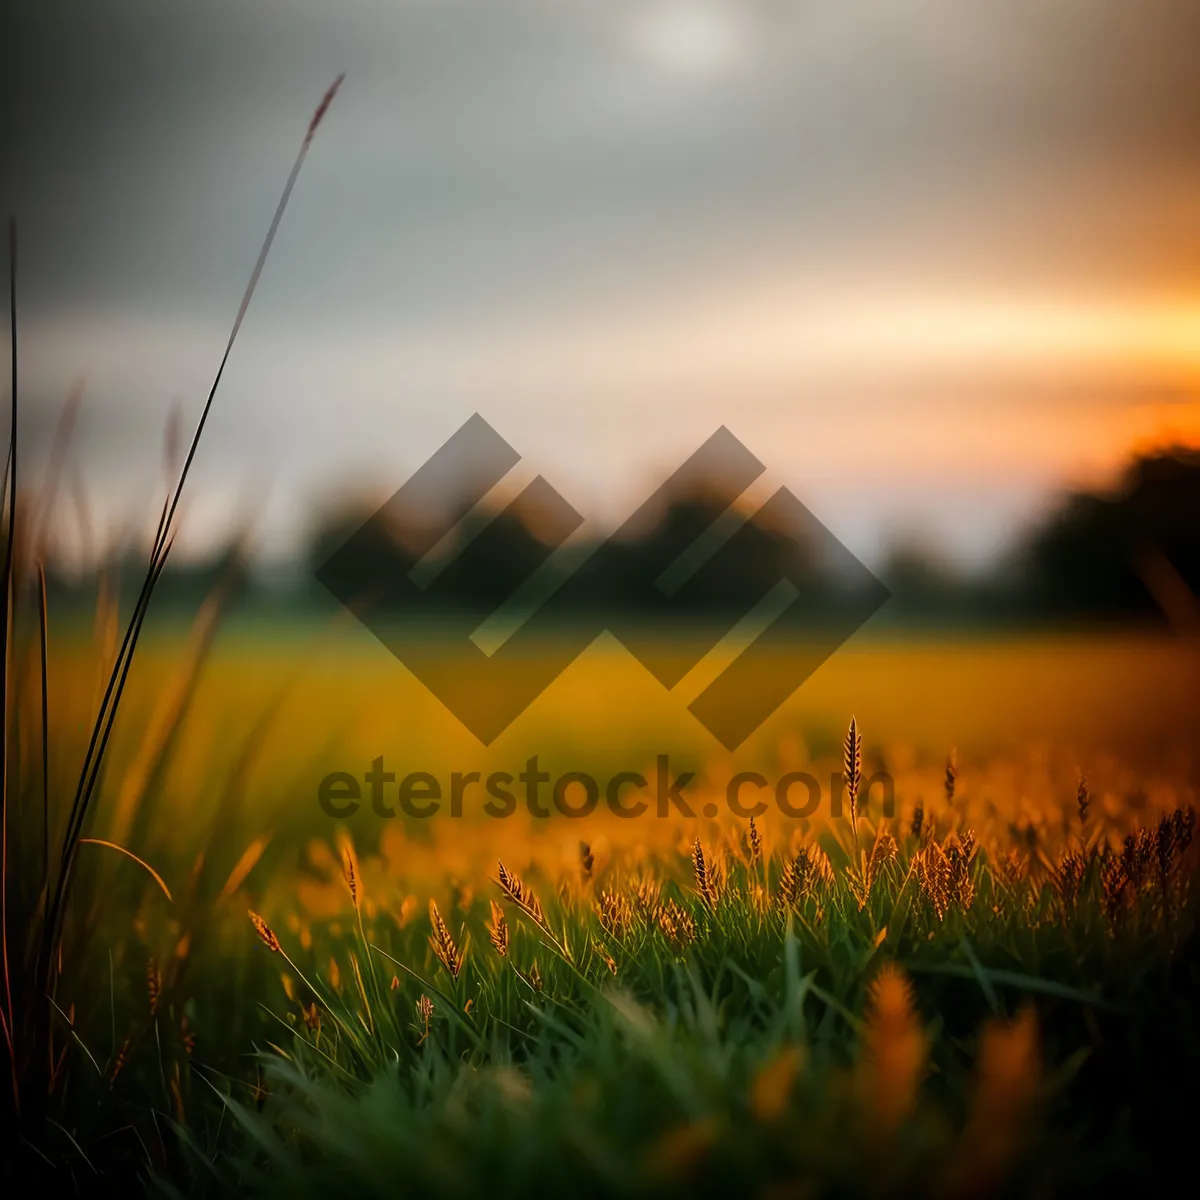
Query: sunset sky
[{"x": 930, "y": 261}]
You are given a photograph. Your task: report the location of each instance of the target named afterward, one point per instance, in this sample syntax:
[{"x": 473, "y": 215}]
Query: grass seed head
[
  {"x": 951, "y": 779},
  {"x": 960, "y": 852},
  {"x": 789, "y": 884},
  {"x": 1165, "y": 845},
  {"x": 266, "y": 934},
  {"x": 521, "y": 895},
  {"x": 753, "y": 844},
  {"x": 1007, "y": 1077},
  {"x": 312, "y": 1018},
  {"x": 448, "y": 954},
  {"x": 772, "y": 1086},
  {"x": 918, "y": 822},
  {"x": 893, "y": 1051},
  {"x": 852, "y": 765},
  {"x": 646, "y": 892},
  {"x": 934, "y": 874},
  {"x": 709, "y": 877},
  {"x": 1068, "y": 879},
  {"x": 615, "y": 913},
  {"x": 802, "y": 874},
  {"x": 1113, "y": 884},
  {"x": 322, "y": 108},
  {"x": 1010, "y": 868},
  {"x": 424, "y": 1014},
  {"x": 883, "y": 852},
  {"x": 677, "y": 926},
  {"x": 1137, "y": 853},
  {"x": 350, "y": 874},
  {"x": 497, "y": 928}
]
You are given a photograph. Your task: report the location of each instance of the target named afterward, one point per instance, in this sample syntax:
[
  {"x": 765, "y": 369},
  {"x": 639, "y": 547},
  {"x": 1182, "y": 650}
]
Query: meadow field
[
  {"x": 576, "y": 310},
  {"x": 986, "y": 991}
]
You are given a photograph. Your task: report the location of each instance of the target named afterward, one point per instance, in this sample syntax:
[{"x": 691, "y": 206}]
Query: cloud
[
  {"x": 512, "y": 202},
  {"x": 526, "y": 149}
]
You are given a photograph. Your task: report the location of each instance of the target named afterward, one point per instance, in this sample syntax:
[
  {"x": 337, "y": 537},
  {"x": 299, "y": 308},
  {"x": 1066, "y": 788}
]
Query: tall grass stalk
[{"x": 27, "y": 1019}]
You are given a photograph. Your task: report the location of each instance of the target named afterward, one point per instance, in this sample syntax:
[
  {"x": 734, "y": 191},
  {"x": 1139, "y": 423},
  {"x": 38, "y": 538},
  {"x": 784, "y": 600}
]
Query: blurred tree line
[{"x": 1128, "y": 554}]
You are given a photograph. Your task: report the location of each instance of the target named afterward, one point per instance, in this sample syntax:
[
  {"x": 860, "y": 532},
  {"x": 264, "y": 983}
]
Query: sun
[{"x": 692, "y": 38}]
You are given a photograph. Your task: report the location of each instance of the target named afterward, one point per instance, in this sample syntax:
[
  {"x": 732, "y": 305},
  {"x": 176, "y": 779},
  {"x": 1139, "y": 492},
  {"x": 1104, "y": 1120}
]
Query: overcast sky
[{"x": 929, "y": 260}]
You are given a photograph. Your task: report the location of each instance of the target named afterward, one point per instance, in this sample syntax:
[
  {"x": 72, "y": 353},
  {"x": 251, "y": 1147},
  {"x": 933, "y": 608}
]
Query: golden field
[
  {"x": 667, "y": 1005},
  {"x": 1023, "y": 716}
]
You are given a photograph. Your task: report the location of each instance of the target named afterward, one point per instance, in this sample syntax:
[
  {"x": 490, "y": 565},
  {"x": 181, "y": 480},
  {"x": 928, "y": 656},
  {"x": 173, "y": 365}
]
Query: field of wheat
[
  {"x": 230, "y": 966},
  {"x": 985, "y": 989}
]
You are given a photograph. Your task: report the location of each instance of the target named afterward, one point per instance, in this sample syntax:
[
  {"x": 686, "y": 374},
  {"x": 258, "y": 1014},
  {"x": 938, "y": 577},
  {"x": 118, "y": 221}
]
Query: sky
[{"x": 931, "y": 261}]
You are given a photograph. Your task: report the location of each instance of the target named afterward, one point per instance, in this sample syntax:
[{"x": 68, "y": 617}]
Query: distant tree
[
  {"x": 333, "y": 522},
  {"x": 487, "y": 557},
  {"x": 920, "y": 578},
  {"x": 1095, "y": 555}
]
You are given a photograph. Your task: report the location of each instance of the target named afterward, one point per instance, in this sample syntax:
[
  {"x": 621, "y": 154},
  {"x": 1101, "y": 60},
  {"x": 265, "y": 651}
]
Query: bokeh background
[
  {"x": 937, "y": 265},
  {"x": 934, "y": 263}
]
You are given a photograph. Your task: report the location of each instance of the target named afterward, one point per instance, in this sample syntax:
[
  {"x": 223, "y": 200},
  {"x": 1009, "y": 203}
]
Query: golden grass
[
  {"x": 1118, "y": 711},
  {"x": 893, "y": 1050},
  {"x": 347, "y": 701}
]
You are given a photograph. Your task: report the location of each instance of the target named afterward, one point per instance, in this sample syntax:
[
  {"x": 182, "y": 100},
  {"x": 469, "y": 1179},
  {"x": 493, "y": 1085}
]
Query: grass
[
  {"x": 680, "y": 1006},
  {"x": 210, "y": 987},
  {"x": 34, "y": 906},
  {"x": 643, "y": 1032}
]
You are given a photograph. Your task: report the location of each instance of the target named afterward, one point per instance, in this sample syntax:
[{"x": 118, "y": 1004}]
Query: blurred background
[{"x": 936, "y": 265}]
